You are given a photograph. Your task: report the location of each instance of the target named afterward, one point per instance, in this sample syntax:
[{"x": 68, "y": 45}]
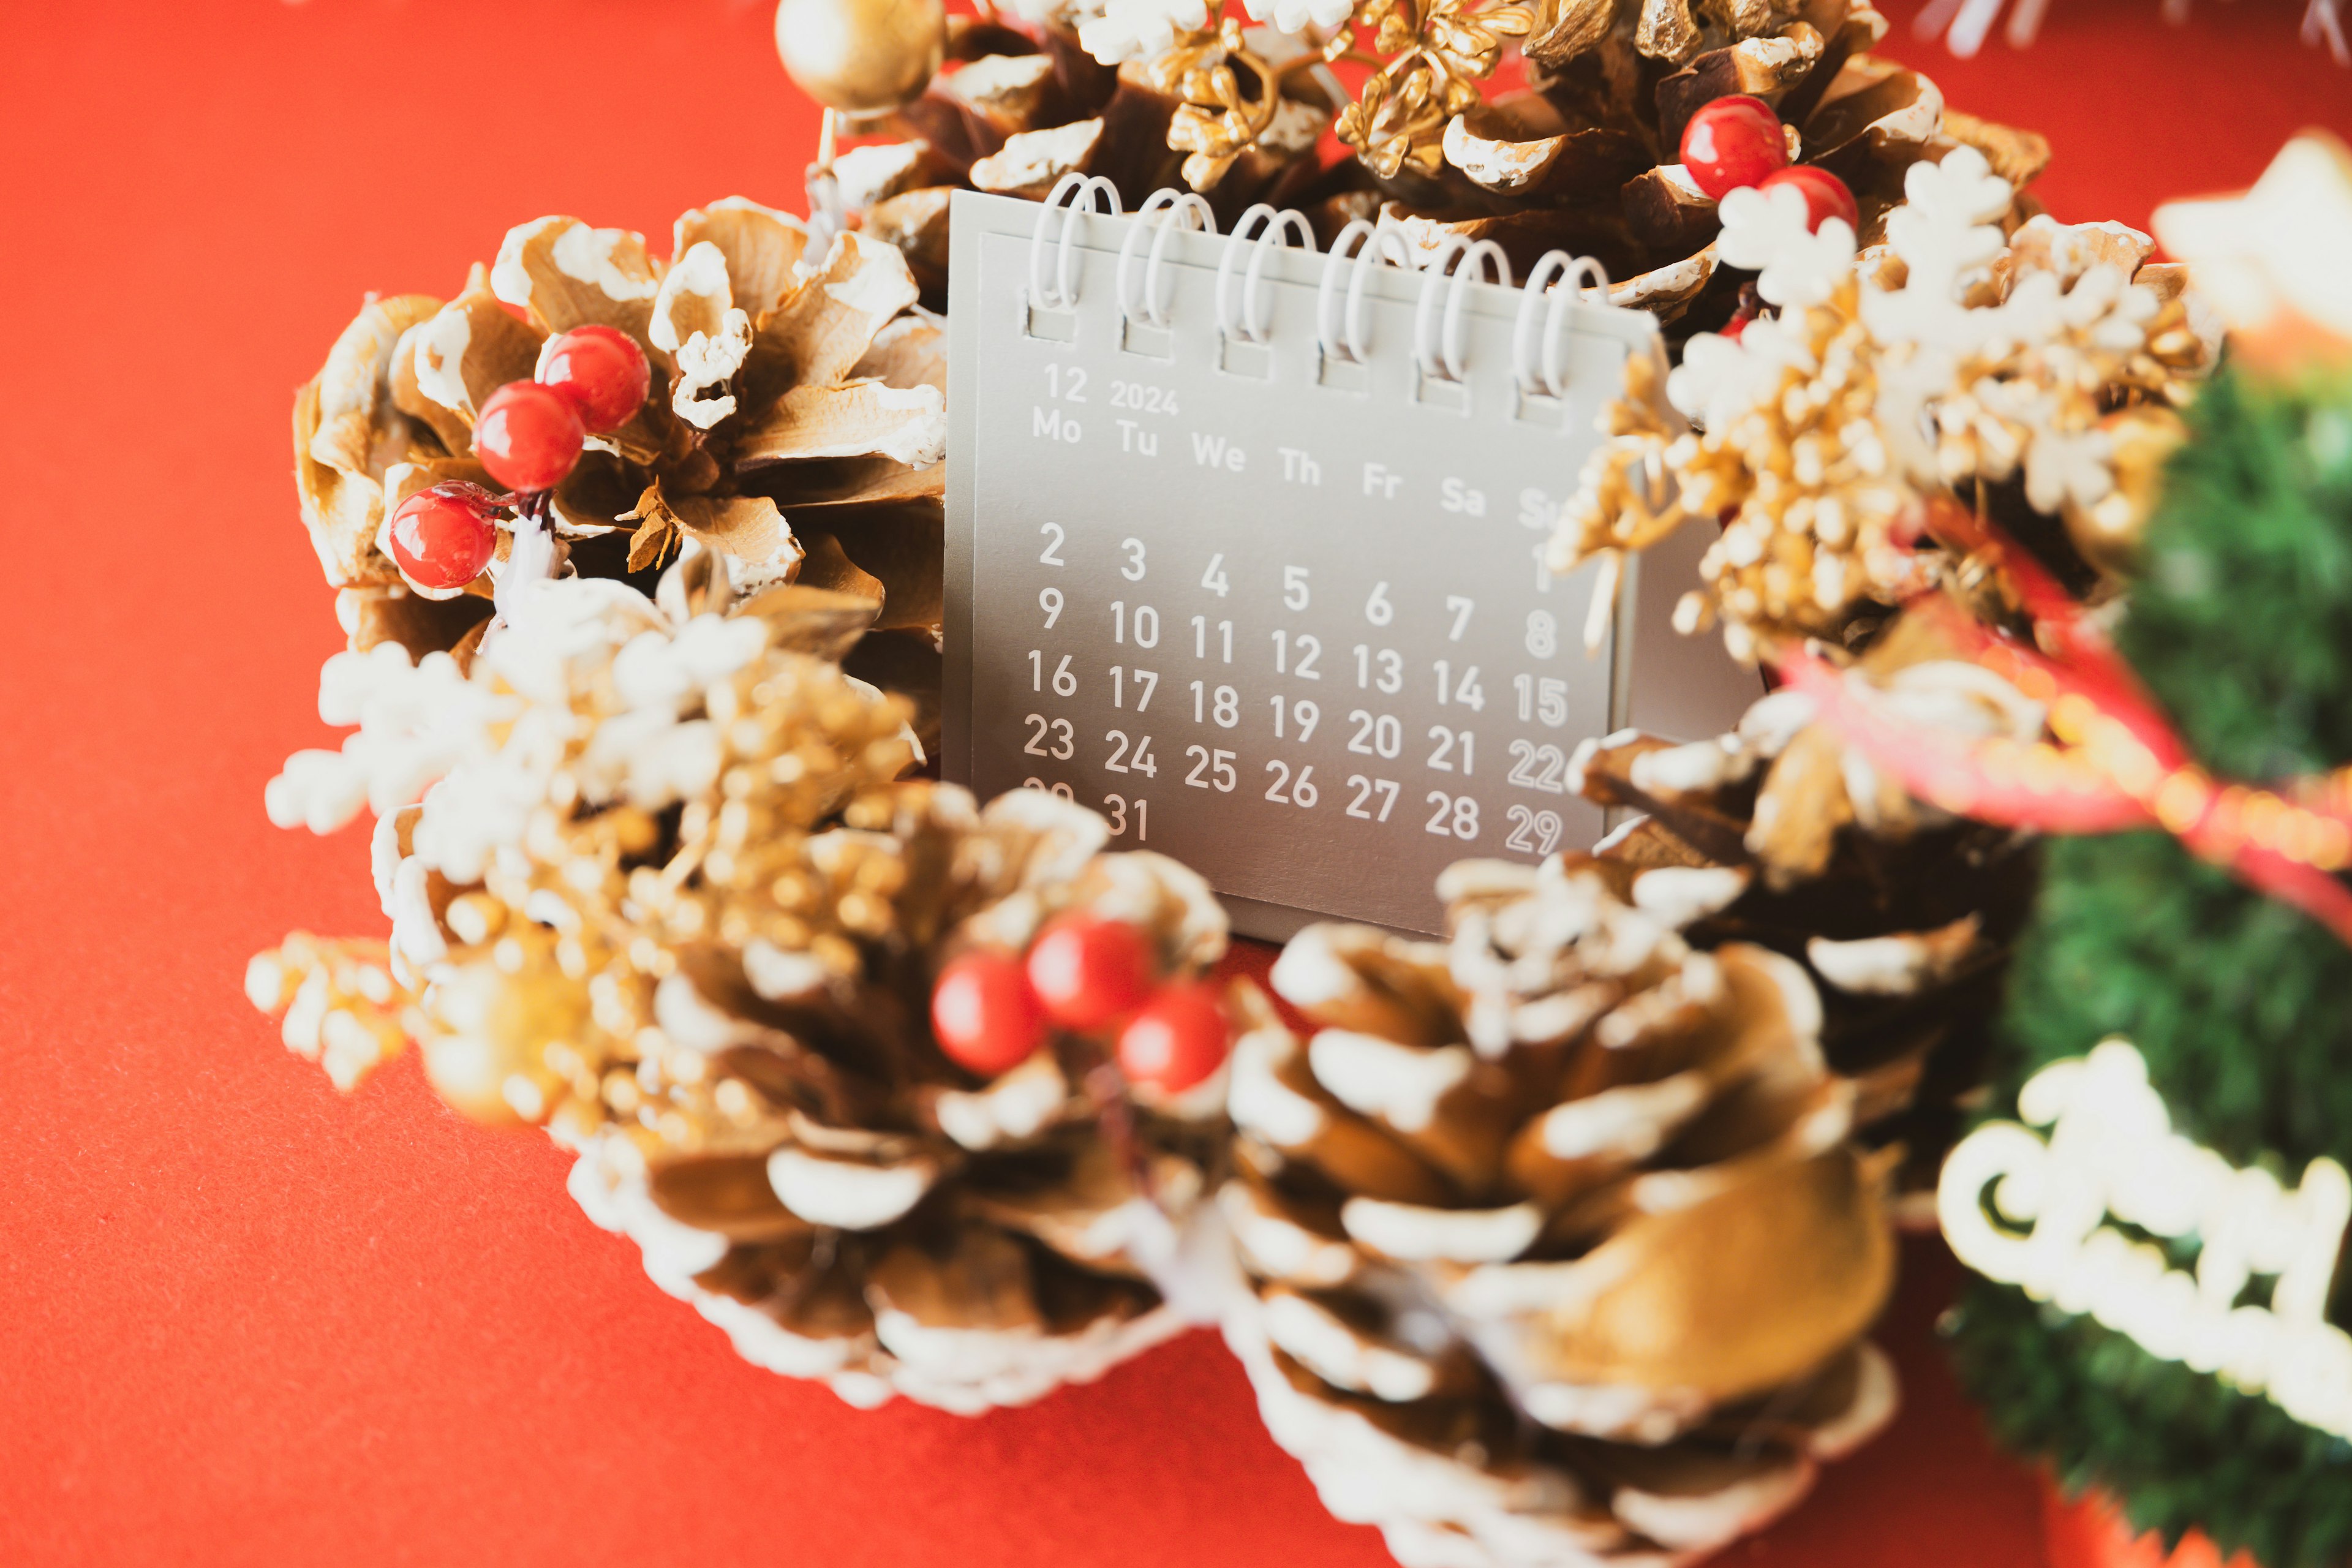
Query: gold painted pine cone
[
  {"x": 794, "y": 431},
  {"x": 1587, "y": 158},
  {"x": 1560, "y": 1250},
  {"x": 1019, "y": 107}
]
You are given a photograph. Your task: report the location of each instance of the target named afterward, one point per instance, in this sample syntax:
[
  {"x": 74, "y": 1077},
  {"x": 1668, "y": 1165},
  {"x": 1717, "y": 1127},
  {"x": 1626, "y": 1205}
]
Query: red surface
[
  {"x": 2091, "y": 1532},
  {"x": 245, "y": 1321}
]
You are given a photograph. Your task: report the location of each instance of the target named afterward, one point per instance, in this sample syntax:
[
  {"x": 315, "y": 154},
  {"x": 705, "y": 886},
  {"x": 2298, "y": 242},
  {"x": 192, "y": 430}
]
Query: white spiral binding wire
[
  {"x": 1253, "y": 327},
  {"x": 1558, "y": 281},
  {"x": 1376, "y": 242},
  {"x": 1439, "y": 352},
  {"x": 1548, "y": 375},
  {"x": 1077, "y": 188},
  {"x": 1176, "y": 211}
]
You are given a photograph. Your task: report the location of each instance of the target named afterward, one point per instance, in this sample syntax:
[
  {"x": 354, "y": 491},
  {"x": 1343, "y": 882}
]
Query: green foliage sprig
[{"x": 2239, "y": 622}]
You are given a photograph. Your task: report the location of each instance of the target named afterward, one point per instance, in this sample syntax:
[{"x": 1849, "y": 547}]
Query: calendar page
[{"x": 1273, "y": 609}]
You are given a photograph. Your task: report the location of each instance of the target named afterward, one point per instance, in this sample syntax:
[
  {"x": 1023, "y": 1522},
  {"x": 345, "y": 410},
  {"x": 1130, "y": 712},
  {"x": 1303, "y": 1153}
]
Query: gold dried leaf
[
  {"x": 849, "y": 484},
  {"x": 404, "y": 479},
  {"x": 1666, "y": 1319},
  {"x": 825, "y": 567},
  {"x": 748, "y": 527},
  {"x": 2017, "y": 156},
  {"x": 354, "y": 383},
  {"x": 340, "y": 510},
  {"x": 568, "y": 275},
  {"x": 916, "y": 225},
  {"x": 761, "y": 245},
  {"x": 1666, "y": 292},
  {"x": 380, "y": 612},
  {"x": 1894, "y": 117},
  {"x": 1666, "y": 30},
  {"x": 1802, "y": 806},
  {"x": 1006, "y": 91},
  {"x": 455, "y": 433},
  {"x": 657, "y": 529},
  {"x": 862, "y": 419},
  {"x": 868, "y": 176},
  {"x": 471, "y": 348},
  {"x": 1494, "y": 162},
  {"x": 828, "y": 323},
  {"x": 910, "y": 352},
  {"x": 1574, "y": 26},
  {"x": 904, "y": 546},
  {"x": 594, "y": 497},
  {"x": 1029, "y": 163}
]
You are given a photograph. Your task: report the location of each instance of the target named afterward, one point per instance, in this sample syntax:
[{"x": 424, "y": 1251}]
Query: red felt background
[{"x": 244, "y": 1320}]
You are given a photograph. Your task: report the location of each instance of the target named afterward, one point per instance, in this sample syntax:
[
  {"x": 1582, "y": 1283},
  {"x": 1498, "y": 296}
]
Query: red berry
[
  {"x": 603, "y": 371},
  {"x": 1089, "y": 973},
  {"x": 444, "y": 536},
  {"x": 1177, "y": 1040},
  {"x": 527, "y": 435},
  {"x": 1825, "y": 194},
  {"x": 984, "y": 1014},
  {"x": 1733, "y": 142}
]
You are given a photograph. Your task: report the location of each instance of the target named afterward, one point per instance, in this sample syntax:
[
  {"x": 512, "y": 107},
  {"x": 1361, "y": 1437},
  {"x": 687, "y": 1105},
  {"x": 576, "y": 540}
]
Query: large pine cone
[
  {"x": 674, "y": 898},
  {"x": 1019, "y": 107},
  {"x": 1560, "y": 1249},
  {"x": 1904, "y": 917},
  {"x": 885, "y": 1222},
  {"x": 1587, "y": 159}
]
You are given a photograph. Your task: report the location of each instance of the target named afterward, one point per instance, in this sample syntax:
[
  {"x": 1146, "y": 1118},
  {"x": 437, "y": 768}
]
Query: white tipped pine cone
[
  {"x": 668, "y": 893},
  {"x": 1561, "y": 1253},
  {"x": 1781, "y": 835}
]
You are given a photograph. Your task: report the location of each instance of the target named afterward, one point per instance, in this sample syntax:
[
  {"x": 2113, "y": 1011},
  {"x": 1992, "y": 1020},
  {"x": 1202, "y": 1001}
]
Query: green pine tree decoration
[{"x": 2239, "y": 622}]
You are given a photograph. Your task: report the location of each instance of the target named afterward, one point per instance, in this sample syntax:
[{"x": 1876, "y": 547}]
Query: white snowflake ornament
[{"x": 1770, "y": 233}]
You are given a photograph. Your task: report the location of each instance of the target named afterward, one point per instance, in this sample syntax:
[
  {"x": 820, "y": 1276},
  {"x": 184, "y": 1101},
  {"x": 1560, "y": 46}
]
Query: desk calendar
[{"x": 1245, "y": 551}]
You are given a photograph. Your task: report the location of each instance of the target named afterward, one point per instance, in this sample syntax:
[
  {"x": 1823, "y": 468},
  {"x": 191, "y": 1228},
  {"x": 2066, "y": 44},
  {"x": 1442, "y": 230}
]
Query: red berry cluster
[
  {"x": 1736, "y": 141},
  {"x": 592, "y": 381},
  {"x": 991, "y": 1011}
]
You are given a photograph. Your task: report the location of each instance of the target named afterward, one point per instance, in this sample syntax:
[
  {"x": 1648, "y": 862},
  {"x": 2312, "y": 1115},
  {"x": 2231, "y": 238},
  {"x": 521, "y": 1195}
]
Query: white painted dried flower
[
  {"x": 416, "y": 721},
  {"x": 2064, "y": 467},
  {"x": 1721, "y": 378}
]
